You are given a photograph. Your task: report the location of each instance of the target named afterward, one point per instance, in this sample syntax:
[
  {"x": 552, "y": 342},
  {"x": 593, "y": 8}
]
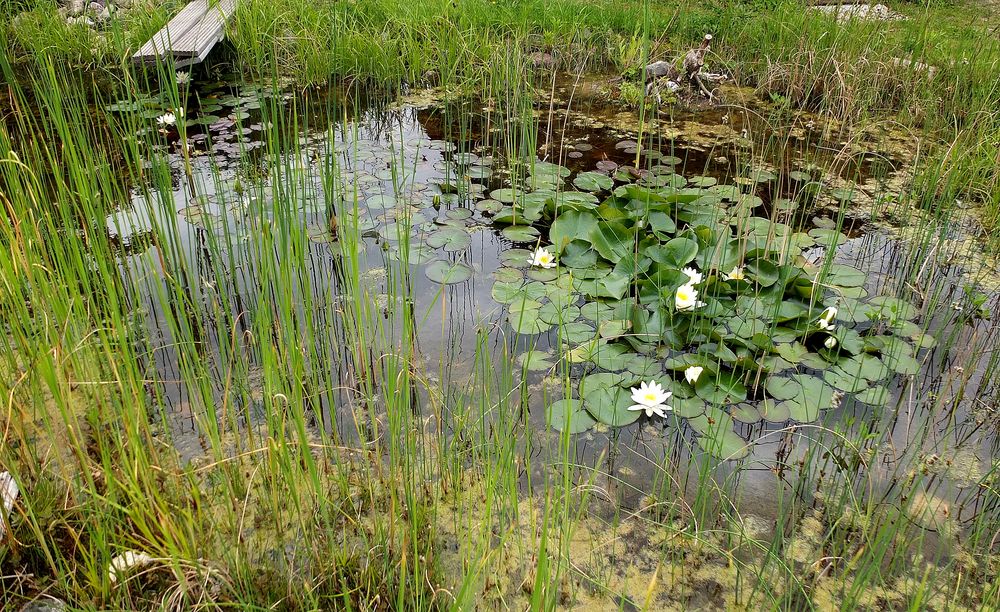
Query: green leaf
[
  {"x": 894, "y": 308},
  {"x": 593, "y": 181},
  {"x": 676, "y": 252},
  {"x": 572, "y": 225},
  {"x": 568, "y": 415},
  {"x": 449, "y": 238},
  {"x": 614, "y": 357},
  {"x": 877, "y": 396},
  {"x": 774, "y": 412},
  {"x": 725, "y": 445},
  {"x": 577, "y": 332},
  {"x": 555, "y": 314},
  {"x": 614, "y": 328},
  {"x": 518, "y": 233},
  {"x": 535, "y": 361},
  {"x": 828, "y": 238},
  {"x": 611, "y": 406},
  {"x": 578, "y": 254},
  {"x": 613, "y": 240},
  {"x": 712, "y": 422},
  {"x": 725, "y": 388},
  {"x": 448, "y": 273},
  {"x": 763, "y": 271},
  {"x": 527, "y": 322}
]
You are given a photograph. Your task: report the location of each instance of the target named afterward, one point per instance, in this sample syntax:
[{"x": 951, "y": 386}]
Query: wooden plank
[
  {"x": 174, "y": 30},
  {"x": 191, "y": 34},
  {"x": 207, "y": 32}
]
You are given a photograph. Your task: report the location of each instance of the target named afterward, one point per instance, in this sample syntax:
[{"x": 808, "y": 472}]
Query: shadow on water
[{"x": 385, "y": 155}]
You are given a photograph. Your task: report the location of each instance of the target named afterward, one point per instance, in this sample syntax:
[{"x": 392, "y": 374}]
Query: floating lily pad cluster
[{"x": 658, "y": 275}]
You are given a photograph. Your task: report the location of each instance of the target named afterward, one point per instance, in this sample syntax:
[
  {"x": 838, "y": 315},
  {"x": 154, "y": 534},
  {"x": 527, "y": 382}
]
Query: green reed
[{"x": 286, "y": 509}]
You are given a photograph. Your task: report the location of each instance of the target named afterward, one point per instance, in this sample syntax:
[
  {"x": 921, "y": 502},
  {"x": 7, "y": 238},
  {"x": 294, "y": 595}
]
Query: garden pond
[{"x": 767, "y": 273}]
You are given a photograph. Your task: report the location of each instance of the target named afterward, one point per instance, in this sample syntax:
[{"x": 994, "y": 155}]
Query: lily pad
[
  {"x": 611, "y": 406},
  {"x": 449, "y": 238},
  {"x": 569, "y": 415},
  {"x": 535, "y": 361},
  {"x": 593, "y": 181},
  {"x": 448, "y": 273}
]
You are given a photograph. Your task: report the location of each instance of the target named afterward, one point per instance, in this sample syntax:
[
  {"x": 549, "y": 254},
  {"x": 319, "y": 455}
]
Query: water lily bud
[
  {"x": 692, "y": 373},
  {"x": 830, "y": 343}
]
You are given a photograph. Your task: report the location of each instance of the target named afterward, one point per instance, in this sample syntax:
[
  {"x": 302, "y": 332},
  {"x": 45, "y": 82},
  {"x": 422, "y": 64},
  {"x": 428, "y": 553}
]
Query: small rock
[
  {"x": 75, "y": 7},
  {"x": 127, "y": 562},
  {"x": 81, "y": 20},
  {"x": 539, "y": 59},
  {"x": 49, "y": 604},
  {"x": 8, "y": 496},
  {"x": 658, "y": 69}
]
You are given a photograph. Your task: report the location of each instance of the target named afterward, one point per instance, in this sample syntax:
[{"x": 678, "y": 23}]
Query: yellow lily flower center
[{"x": 650, "y": 397}]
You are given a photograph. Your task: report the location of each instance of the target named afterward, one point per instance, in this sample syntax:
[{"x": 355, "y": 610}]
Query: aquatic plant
[
  {"x": 649, "y": 397},
  {"x": 778, "y": 337}
]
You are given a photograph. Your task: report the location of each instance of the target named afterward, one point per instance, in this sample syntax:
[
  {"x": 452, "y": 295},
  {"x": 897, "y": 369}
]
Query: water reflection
[{"x": 385, "y": 168}]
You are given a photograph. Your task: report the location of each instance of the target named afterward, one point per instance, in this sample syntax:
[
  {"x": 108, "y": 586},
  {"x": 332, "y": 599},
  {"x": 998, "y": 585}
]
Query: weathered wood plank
[
  {"x": 190, "y": 35},
  {"x": 207, "y": 32},
  {"x": 174, "y": 30}
]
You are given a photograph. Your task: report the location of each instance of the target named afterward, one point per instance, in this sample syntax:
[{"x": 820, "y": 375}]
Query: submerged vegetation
[{"x": 399, "y": 306}]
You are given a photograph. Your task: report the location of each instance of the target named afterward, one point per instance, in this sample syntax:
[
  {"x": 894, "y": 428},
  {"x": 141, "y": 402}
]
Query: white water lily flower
[
  {"x": 692, "y": 373},
  {"x": 829, "y": 314},
  {"x": 694, "y": 275},
  {"x": 651, "y": 398},
  {"x": 687, "y": 298},
  {"x": 183, "y": 78},
  {"x": 543, "y": 258},
  {"x": 825, "y": 325},
  {"x": 735, "y": 274},
  {"x": 830, "y": 343},
  {"x": 167, "y": 119},
  {"x": 126, "y": 562}
]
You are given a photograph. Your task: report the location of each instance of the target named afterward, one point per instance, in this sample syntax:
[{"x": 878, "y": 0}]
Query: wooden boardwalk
[{"x": 190, "y": 35}]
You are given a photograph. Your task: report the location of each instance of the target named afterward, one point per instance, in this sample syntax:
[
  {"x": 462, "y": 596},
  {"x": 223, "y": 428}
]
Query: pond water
[{"x": 439, "y": 176}]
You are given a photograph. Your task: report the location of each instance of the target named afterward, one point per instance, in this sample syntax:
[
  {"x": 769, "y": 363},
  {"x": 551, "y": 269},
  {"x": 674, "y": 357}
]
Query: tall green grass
[{"x": 428, "y": 487}]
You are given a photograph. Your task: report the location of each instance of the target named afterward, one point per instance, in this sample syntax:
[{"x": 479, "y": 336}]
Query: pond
[{"x": 763, "y": 268}]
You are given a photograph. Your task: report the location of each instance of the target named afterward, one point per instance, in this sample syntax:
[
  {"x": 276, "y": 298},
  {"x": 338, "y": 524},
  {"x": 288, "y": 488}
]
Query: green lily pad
[
  {"x": 449, "y": 238},
  {"x": 827, "y": 237},
  {"x": 554, "y": 314},
  {"x": 593, "y": 181},
  {"x": 745, "y": 413},
  {"x": 611, "y": 406},
  {"x": 577, "y": 332},
  {"x": 527, "y": 323},
  {"x": 379, "y": 202},
  {"x": 520, "y": 233},
  {"x": 726, "y": 445},
  {"x": 535, "y": 361},
  {"x": 572, "y": 226},
  {"x": 448, "y": 273},
  {"x": 893, "y": 308},
  {"x": 569, "y": 415}
]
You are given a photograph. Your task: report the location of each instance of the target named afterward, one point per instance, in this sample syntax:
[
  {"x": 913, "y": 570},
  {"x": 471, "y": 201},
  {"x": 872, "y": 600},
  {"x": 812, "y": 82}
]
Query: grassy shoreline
[
  {"x": 434, "y": 494},
  {"x": 858, "y": 71}
]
